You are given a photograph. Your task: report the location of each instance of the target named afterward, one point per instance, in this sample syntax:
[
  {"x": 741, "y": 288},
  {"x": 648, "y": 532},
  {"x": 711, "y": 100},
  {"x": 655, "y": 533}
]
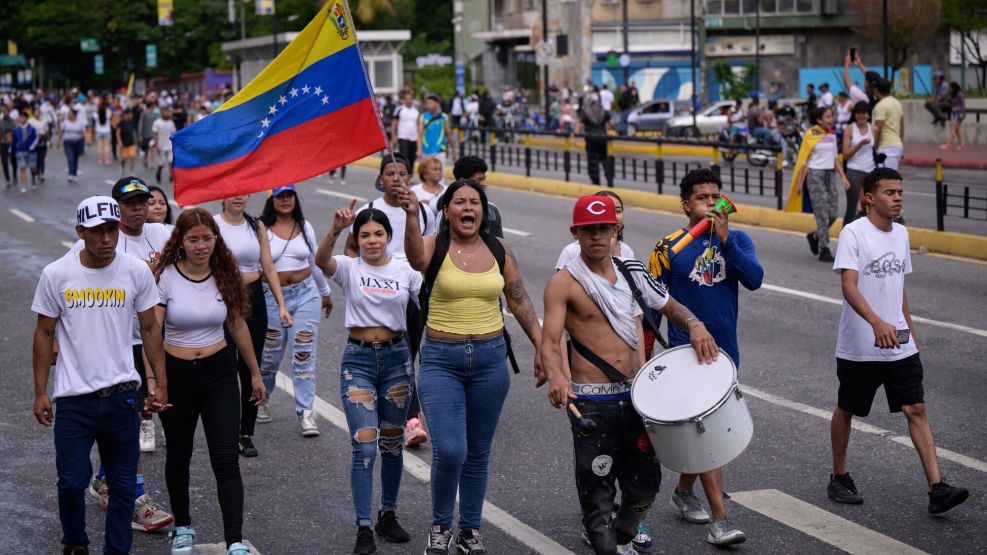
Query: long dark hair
[
  {"x": 168, "y": 214},
  {"x": 222, "y": 265},
  {"x": 616, "y": 197},
  {"x": 447, "y": 199},
  {"x": 102, "y": 114},
  {"x": 269, "y": 215}
]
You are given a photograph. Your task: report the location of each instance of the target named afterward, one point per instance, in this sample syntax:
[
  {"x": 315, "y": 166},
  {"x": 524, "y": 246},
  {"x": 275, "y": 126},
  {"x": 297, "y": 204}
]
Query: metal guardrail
[
  {"x": 513, "y": 148},
  {"x": 967, "y": 203}
]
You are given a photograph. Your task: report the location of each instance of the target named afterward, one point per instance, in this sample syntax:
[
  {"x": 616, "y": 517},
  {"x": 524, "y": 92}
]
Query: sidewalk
[{"x": 925, "y": 155}]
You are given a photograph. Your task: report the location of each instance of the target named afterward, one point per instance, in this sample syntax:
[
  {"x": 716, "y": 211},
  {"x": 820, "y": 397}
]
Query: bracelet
[{"x": 687, "y": 320}]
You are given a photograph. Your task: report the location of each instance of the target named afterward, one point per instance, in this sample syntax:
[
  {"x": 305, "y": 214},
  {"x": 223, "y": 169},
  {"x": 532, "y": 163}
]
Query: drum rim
[{"x": 734, "y": 387}]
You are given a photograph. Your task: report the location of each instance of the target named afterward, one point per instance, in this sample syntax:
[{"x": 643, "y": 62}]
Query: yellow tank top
[{"x": 466, "y": 303}]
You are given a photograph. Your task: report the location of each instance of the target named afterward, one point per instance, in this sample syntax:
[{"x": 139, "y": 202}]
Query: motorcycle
[
  {"x": 791, "y": 128},
  {"x": 736, "y": 141}
]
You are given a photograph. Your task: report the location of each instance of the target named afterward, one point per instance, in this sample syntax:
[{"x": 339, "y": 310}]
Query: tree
[
  {"x": 368, "y": 11},
  {"x": 969, "y": 19},
  {"x": 734, "y": 85},
  {"x": 909, "y": 22}
]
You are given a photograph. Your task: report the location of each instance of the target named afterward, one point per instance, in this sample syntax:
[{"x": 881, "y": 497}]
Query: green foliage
[
  {"x": 969, "y": 19},
  {"x": 734, "y": 85},
  {"x": 441, "y": 80}
]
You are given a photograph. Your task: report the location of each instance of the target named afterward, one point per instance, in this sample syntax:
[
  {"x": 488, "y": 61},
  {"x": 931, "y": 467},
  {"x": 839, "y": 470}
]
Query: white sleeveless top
[
  {"x": 242, "y": 242},
  {"x": 863, "y": 160}
]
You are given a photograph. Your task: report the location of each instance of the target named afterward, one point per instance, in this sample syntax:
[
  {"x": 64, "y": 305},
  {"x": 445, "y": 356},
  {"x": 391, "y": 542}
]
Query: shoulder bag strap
[{"x": 639, "y": 298}]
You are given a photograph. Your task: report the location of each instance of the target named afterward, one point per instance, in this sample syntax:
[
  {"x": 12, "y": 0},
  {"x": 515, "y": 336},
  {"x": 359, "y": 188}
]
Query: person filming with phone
[{"x": 876, "y": 344}]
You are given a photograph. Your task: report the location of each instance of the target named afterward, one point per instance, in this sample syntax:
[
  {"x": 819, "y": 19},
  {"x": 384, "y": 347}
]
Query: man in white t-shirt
[
  {"x": 876, "y": 344},
  {"x": 162, "y": 129},
  {"x": 606, "y": 98},
  {"x": 825, "y": 97},
  {"x": 90, "y": 298},
  {"x": 404, "y": 129},
  {"x": 395, "y": 174}
]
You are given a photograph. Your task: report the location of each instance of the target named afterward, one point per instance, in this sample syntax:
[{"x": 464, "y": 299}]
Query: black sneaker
[
  {"x": 825, "y": 255},
  {"x": 813, "y": 242},
  {"x": 388, "y": 528},
  {"x": 247, "y": 448},
  {"x": 364, "y": 541},
  {"x": 469, "y": 543},
  {"x": 944, "y": 497},
  {"x": 842, "y": 489}
]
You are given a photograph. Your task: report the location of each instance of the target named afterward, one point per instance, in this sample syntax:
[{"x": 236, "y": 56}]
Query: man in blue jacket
[
  {"x": 705, "y": 277},
  {"x": 25, "y": 140}
]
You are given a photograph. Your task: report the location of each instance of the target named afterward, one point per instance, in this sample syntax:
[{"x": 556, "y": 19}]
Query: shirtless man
[{"x": 593, "y": 302}]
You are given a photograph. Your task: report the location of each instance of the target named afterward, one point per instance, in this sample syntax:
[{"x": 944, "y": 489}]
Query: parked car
[
  {"x": 709, "y": 121},
  {"x": 650, "y": 116}
]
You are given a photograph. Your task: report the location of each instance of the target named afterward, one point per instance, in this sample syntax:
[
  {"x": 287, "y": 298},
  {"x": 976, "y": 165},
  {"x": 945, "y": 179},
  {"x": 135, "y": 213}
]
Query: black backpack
[{"x": 416, "y": 323}]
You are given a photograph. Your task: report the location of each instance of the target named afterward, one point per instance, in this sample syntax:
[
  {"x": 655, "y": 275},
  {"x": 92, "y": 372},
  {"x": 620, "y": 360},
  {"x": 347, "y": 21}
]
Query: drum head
[{"x": 674, "y": 387}]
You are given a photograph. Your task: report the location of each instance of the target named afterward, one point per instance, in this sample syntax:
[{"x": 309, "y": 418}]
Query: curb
[
  {"x": 923, "y": 162},
  {"x": 945, "y": 242}
]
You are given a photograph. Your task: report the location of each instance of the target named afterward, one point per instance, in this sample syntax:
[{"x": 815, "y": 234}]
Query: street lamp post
[
  {"x": 757, "y": 48},
  {"x": 544, "y": 69},
  {"x": 884, "y": 17},
  {"x": 626, "y": 44},
  {"x": 692, "y": 35}
]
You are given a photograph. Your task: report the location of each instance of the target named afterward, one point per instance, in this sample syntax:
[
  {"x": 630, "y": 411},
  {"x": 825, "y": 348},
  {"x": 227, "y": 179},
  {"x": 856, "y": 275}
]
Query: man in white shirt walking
[
  {"x": 162, "y": 130},
  {"x": 876, "y": 344},
  {"x": 404, "y": 129}
]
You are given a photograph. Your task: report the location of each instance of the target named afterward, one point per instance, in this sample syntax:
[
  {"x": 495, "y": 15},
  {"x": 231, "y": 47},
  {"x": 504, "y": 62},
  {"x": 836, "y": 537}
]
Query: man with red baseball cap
[{"x": 593, "y": 299}]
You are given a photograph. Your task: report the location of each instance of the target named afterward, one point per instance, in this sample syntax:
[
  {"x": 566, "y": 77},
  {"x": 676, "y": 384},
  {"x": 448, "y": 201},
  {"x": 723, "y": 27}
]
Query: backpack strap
[
  {"x": 500, "y": 255},
  {"x": 639, "y": 298}
]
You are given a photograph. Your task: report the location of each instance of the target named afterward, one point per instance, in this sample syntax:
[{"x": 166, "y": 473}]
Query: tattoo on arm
[
  {"x": 522, "y": 308},
  {"x": 678, "y": 314}
]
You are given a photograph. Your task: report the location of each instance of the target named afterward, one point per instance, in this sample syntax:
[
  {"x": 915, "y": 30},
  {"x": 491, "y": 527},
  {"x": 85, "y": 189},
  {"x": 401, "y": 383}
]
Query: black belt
[
  {"x": 377, "y": 345},
  {"x": 117, "y": 388}
]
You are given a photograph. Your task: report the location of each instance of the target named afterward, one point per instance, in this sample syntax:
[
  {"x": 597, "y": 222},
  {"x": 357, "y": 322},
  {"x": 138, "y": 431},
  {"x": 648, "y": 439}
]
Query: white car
[{"x": 709, "y": 121}]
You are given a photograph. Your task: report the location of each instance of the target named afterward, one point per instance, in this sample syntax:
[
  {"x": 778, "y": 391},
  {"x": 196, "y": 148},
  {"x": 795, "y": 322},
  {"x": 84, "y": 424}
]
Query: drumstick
[{"x": 583, "y": 424}]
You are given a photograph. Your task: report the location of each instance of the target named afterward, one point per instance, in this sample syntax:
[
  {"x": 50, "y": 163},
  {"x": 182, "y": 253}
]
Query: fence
[
  {"x": 642, "y": 161},
  {"x": 962, "y": 201}
]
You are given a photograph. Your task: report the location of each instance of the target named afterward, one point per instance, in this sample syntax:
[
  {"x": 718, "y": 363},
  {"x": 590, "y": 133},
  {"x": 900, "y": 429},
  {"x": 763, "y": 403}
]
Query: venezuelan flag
[{"x": 309, "y": 111}]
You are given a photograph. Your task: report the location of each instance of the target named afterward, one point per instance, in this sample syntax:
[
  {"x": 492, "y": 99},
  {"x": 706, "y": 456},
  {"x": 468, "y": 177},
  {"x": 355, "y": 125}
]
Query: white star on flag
[
  {"x": 305, "y": 89},
  {"x": 325, "y": 100},
  {"x": 318, "y": 91},
  {"x": 282, "y": 101},
  {"x": 272, "y": 110},
  {"x": 294, "y": 93},
  {"x": 265, "y": 122}
]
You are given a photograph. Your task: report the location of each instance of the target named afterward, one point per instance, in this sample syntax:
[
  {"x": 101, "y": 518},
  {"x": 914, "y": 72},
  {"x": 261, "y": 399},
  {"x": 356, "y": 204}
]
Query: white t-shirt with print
[
  {"x": 94, "y": 308},
  {"x": 377, "y": 295},
  {"x": 398, "y": 218},
  {"x": 881, "y": 258}
]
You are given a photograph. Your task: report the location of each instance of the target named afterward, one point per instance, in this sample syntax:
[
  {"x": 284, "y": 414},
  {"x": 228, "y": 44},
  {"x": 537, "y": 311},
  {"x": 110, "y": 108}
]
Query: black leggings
[
  {"x": 205, "y": 387},
  {"x": 257, "y": 326},
  {"x": 596, "y": 153},
  {"x": 9, "y": 162}
]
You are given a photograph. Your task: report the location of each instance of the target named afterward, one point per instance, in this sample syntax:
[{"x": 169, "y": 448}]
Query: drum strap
[
  {"x": 616, "y": 375},
  {"x": 639, "y": 297}
]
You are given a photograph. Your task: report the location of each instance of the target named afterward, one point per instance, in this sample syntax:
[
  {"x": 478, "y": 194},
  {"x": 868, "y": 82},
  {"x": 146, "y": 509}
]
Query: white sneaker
[
  {"x": 148, "y": 443},
  {"x": 264, "y": 413},
  {"x": 689, "y": 507},
  {"x": 723, "y": 532},
  {"x": 307, "y": 420},
  {"x": 626, "y": 549}
]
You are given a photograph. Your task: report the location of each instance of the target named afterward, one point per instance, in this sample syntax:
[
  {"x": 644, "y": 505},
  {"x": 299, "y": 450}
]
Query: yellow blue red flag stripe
[{"x": 311, "y": 110}]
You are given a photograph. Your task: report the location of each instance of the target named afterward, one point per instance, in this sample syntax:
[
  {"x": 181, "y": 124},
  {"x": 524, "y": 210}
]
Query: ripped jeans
[
  {"x": 375, "y": 386},
  {"x": 303, "y": 302}
]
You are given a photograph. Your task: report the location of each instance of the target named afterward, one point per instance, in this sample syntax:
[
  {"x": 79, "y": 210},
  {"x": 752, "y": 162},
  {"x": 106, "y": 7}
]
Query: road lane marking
[
  {"x": 839, "y": 302},
  {"x": 517, "y": 232},
  {"x": 822, "y": 525},
  {"x": 856, "y": 424},
  {"x": 418, "y": 468},
  {"x": 346, "y": 196},
  {"x": 68, "y": 244},
  {"x": 22, "y": 215}
]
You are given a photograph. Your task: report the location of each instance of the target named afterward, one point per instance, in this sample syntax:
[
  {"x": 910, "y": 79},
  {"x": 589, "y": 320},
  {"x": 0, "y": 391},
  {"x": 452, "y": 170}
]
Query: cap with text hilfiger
[
  {"x": 130, "y": 187},
  {"x": 97, "y": 210},
  {"x": 594, "y": 210}
]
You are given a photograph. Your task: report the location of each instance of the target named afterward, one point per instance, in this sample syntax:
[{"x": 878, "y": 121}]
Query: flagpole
[{"x": 370, "y": 86}]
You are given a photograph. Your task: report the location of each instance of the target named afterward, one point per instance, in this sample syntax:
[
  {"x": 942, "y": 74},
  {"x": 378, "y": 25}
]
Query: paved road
[
  {"x": 298, "y": 499},
  {"x": 753, "y": 185}
]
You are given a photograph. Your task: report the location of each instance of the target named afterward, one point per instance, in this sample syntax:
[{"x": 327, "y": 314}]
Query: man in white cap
[{"x": 90, "y": 296}]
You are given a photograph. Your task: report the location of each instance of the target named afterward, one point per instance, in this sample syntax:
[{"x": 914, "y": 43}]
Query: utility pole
[
  {"x": 757, "y": 48},
  {"x": 544, "y": 70},
  {"x": 626, "y": 44},
  {"x": 885, "y": 23},
  {"x": 692, "y": 35}
]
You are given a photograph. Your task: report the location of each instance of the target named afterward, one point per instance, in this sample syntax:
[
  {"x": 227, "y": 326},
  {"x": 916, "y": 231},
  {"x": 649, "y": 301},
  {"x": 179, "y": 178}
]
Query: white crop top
[
  {"x": 823, "y": 155},
  {"x": 242, "y": 242},
  {"x": 194, "y": 310},
  {"x": 294, "y": 254},
  {"x": 377, "y": 295}
]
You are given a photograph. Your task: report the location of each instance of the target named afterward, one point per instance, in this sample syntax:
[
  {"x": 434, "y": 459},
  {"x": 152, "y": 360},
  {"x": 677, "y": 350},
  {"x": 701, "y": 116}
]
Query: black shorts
[
  {"x": 139, "y": 365},
  {"x": 902, "y": 381}
]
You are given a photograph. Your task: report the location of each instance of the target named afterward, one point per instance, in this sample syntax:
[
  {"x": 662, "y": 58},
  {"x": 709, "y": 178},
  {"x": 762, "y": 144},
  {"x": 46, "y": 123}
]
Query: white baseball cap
[{"x": 96, "y": 210}]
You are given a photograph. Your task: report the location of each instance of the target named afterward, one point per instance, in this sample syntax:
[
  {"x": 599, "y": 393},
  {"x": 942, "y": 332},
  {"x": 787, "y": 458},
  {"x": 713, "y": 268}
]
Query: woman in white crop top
[
  {"x": 201, "y": 291},
  {"x": 247, "y": 239},
  {"x": 858, "y": 151},
  {"x": 376, "y": 378},
  {"x": 818, "y": 176},
  {"x": 302, "y": 285}
]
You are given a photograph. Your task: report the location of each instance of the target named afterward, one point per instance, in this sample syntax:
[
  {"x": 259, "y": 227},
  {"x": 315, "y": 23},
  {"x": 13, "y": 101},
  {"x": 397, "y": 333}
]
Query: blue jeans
[
  {"x": 375, "y": 386},
  {"x": 112, "y": 423},
  {"x": 303, "y": 302},
  {"x": 74, "y": 151},
  {"x": 462, "y": 386}
]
